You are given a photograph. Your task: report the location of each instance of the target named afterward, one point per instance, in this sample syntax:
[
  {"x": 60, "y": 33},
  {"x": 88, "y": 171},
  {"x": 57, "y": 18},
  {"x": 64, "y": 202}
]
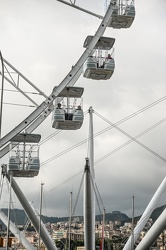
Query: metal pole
[
  {"x": 79, "y": 8},
  {"x": 68, "y": 102},
  {"x": 103, "y": 227},
  {"x": 88, "y": 210},
  {"x": 132, "y": 242},
  {"x": 70, "y": 219},
  {"x": 41, "y": 201},
  {"x": 8, "y": 225},
  {"x": 21, "y": 75},
  {"x": 24, "y": 151},
  {"x": 91, "y": 162},
  {"x": 2, "y": 86}
]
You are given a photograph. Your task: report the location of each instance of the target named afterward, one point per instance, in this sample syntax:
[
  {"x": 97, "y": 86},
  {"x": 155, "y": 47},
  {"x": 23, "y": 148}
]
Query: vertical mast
[
  {"x": 88, "y": 225},
  {"x": 41, "y": 201},
  {"x": 92, "y": 172},
  {"x": 8, "y": 225},
  {"x": 70, "y": 215},
  {"x": 89, "y": 194},
  {"x": 132, "y": 233},
  {"x": 103, "y": 226}
]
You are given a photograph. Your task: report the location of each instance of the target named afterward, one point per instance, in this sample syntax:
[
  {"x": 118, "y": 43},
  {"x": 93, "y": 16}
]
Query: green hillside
[{"x": 19, "y": 217}]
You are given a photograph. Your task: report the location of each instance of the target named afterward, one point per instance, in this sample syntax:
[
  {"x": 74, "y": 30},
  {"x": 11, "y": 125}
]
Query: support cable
[
  {"x": 126, "y": 143},
  {"x": 49, "y": 137},
  {"x": 132, "y": 138},
  {"x": 78, "y": 194},
  {"x": 94, "y": 188},
  {"x": 109, "y": 154},
  {"x": 119, "y": 122},
  {"x": 98, "y": 195},
  {"x": 97, "y": 134},
  {"x": 1, "y": 185}
]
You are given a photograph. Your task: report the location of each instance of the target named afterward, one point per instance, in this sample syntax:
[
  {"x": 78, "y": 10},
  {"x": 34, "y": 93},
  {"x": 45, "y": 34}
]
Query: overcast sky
[{"x": 43, "y": 39}]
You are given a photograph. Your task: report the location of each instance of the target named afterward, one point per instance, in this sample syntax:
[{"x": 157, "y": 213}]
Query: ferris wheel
[
  {"x": 65, "y": 102},
  {"x": 94, "y": 63}
]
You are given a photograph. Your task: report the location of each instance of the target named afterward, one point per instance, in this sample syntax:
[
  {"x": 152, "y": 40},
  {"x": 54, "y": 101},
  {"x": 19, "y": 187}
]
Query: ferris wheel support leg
[
  {"x": 153, "y": 233},
  {"x": 145, "y": 216},
  {"x": 16, "y": 232},
  {"x": 30, "y": 213}
]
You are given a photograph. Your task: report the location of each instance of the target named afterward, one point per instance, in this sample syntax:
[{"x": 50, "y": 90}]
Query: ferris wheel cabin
[
  {"x": 68, "y": 113},
  {"x": 123, "y": 14},
  {"x": 101, "y": 65},
  {"x": 24, "y": 156}
]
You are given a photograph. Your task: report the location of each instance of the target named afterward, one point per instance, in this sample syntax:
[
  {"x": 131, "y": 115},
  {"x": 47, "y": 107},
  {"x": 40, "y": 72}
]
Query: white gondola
[
  {"x": 100, "y": 66},
  {"x": 123, "y": 14},
  {"x": 24, "y": 157},
  {"x": 68, "y": 115}
]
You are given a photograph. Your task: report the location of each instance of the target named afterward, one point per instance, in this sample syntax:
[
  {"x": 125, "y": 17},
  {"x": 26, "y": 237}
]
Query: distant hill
[
  {"x": 114, "y": 216},
  {"x": 156, "y": 213},
  {"x": 19, "y": 217}
]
